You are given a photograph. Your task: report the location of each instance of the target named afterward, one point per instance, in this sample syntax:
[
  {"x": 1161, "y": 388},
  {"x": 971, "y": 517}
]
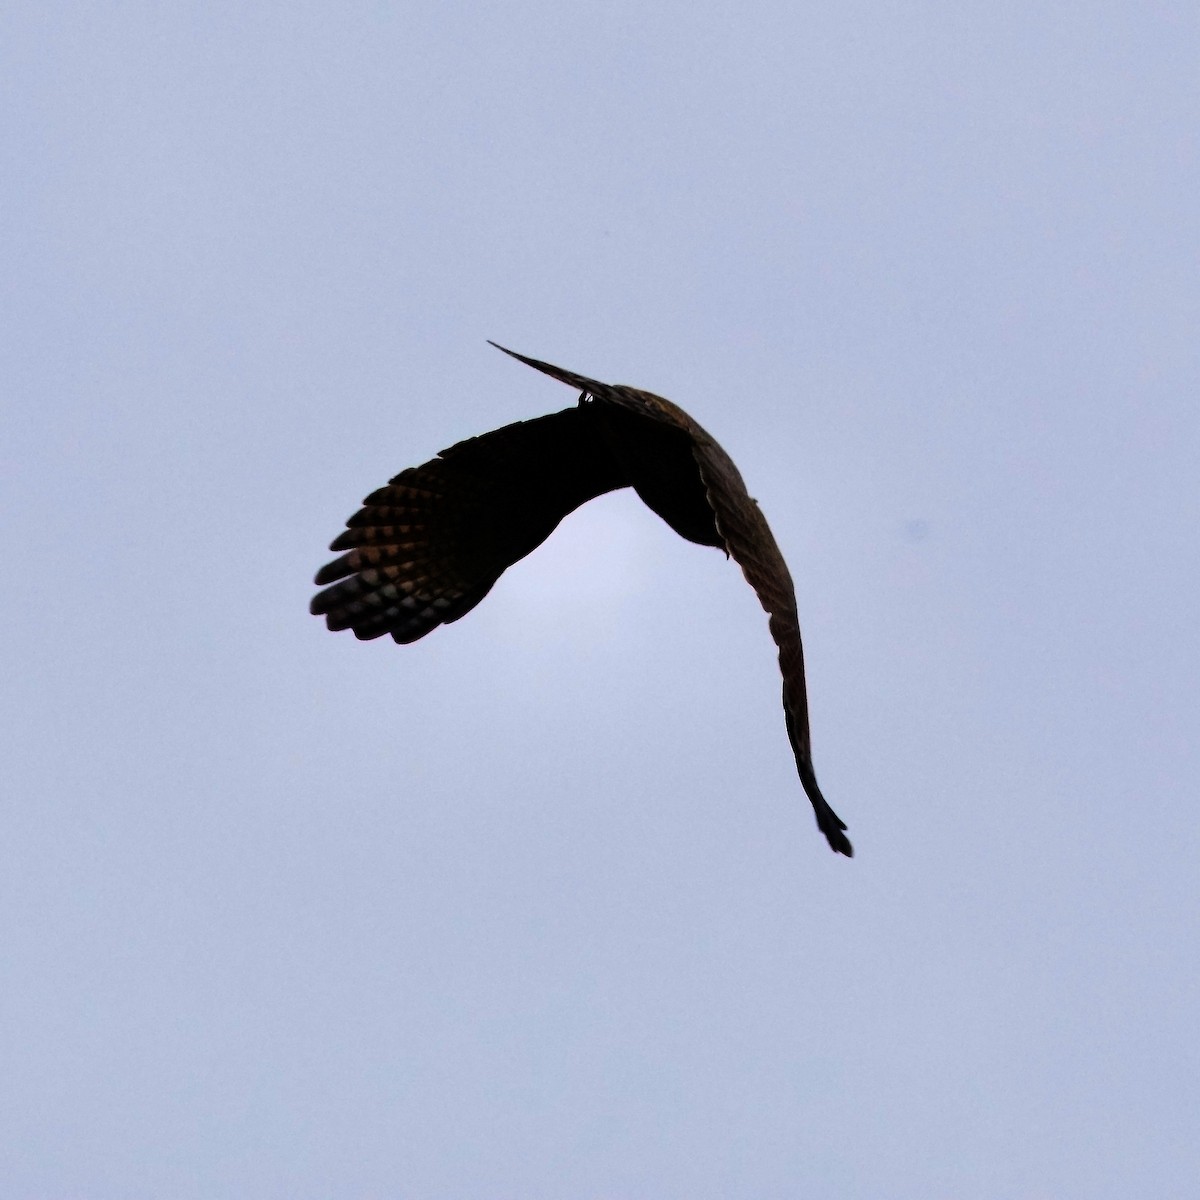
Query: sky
[{"x": 536, "y": 907}]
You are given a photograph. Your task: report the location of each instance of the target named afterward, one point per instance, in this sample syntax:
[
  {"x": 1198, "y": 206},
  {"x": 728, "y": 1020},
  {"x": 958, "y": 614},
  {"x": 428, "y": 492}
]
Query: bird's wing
[
  {"x": 746, "y": 537},
  {"x": 581, "y": 383},
  {"x": 425, "y": 549},
  {"x": 749, "y": 540}
]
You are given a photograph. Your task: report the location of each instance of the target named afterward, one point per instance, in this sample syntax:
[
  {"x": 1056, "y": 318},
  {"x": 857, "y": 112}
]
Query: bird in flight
[{"x": 425, "y": 549}]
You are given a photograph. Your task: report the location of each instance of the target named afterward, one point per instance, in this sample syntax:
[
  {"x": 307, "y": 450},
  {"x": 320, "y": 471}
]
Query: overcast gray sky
[{"x": 536, "y": 907}]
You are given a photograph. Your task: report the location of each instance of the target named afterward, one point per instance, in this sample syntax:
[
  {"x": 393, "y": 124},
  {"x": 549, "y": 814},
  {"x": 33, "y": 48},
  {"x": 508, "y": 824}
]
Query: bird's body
[{"x": 425, "y": 549}]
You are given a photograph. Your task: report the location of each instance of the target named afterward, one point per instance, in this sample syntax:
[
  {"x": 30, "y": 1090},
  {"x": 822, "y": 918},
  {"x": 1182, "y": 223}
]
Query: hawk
[{"x": 425, "y": 549}]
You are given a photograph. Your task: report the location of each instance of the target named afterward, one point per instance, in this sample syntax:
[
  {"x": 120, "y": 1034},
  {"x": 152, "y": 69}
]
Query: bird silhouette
[{"x": 425, "y": 549}]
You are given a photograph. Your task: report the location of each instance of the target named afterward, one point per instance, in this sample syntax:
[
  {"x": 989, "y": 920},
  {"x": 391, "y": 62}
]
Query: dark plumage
[{"x": 425, "y": 549}]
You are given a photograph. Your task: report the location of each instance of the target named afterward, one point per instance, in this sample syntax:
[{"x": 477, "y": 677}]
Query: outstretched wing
[
  {"x": 425, "y": 549},
  {"x": 749, "y": 540},
  {"x": 740, "y": 528}
]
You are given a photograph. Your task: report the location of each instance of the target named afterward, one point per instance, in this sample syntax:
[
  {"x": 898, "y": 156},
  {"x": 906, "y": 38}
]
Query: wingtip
[
  {"x": 536, "y": 363},
  {"x": 828, "y": 822},
  {"x": 832, "y": 826},
  {"x": 839, "y": 843},
  {"x": 563, "y": 376}
]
